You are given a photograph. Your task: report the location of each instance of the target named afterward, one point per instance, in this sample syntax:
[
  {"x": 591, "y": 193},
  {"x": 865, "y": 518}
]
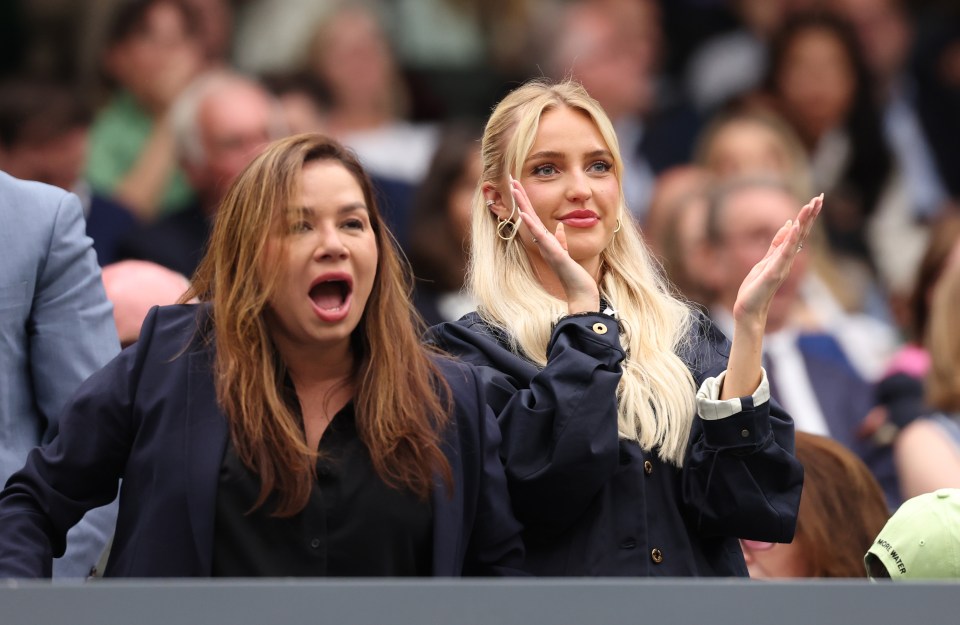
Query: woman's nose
[
  {"x": 330, "y": 245},
  {"x": 578, "y": 187}
]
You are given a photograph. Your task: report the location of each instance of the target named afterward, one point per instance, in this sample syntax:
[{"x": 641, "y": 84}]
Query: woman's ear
[{"x": 494, "y": 201}]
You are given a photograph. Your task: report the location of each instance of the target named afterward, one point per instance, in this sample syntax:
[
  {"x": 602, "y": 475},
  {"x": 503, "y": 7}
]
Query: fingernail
[{"x": 821, "y": 197}]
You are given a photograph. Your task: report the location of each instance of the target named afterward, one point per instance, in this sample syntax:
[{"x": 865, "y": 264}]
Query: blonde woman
[
  {"x": 617, "y": 465},
  {"x": 291, "y": 424}
]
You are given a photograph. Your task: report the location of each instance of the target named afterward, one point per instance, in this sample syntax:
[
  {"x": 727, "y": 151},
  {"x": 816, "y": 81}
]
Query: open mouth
[{"x": 330, "y": 295}]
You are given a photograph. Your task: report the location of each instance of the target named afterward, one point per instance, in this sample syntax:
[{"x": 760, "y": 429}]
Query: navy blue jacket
[
  {"x": 594, "y": 504},
  {"x": 151, "y": 418}
]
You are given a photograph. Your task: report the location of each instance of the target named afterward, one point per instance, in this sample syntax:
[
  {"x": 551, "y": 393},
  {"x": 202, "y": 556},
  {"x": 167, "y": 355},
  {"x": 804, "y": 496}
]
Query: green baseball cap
[{"x": 920, "y": 541}]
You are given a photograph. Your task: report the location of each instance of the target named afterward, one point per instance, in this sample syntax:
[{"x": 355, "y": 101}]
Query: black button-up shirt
[{"x": 354, "y": 525}]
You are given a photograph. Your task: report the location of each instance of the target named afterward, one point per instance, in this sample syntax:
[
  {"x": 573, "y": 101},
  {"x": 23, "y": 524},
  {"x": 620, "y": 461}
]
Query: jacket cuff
[{"x": 711, "y": 408}]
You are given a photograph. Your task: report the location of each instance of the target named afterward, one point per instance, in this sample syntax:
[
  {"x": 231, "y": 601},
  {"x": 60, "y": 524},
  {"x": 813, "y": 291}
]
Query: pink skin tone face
[
  {"x": 816, "y": 82},
  {"x": 751, "y": 218},
  {"x": 569, "y": 179},
  {"x": 328, "y": 259},
  {"x": 774, "y": 560},
  {"x": 745, "y": 147},
  {"x": 156, "y": 63},
  {"x": 235, "y": 125},
  {"x": 357, "y": 61}
]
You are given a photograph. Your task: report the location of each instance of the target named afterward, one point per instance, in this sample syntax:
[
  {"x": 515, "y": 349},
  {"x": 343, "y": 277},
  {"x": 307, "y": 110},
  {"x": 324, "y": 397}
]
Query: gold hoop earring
[
  {"x": 619, "y": 225},
  {"x": 503, "y": 223},
  {"x": 502, "y": 226}
]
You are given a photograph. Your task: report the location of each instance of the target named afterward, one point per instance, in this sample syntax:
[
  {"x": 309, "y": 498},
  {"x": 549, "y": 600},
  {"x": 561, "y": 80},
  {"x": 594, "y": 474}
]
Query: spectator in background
[
  {"x": 56, "y": 329},
  {"x": 214, "y": 27},
  {"x": 675, "y": 229},
  {"x": 136, "y": 286},
  {"x": 752, "y": 142},
  {"x": 809, "y": 373},
  {"x": 841, "y": 510},
  {"x": 368, "y": 105},
  {"x": 440, "y": 227},
  {"x": 731, "y": 64},
  {"x": 152, "y": 53},
  {"x": 744, "y": 142},
  {"x": 613, "y": 48},
  {"x": 44, "y": 132},
  {"x": 301, "y": 101},
  {"x": 219, "y": 124},
  {"x": 368, "y": 102},
  {"x": 936, "y": 67},
  {"x": 928, "y": 450},
  {"x": 819, "y": 82},
  {"x": 900, "y": 389},
  {"x": 885, "y": 33}
]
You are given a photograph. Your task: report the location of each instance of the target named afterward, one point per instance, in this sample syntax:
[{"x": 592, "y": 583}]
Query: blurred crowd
[{"x": 729, "y": 115}]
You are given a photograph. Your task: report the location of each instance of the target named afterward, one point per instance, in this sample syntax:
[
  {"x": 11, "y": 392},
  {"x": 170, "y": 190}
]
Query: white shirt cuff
[{"x": 712, "y": 408}]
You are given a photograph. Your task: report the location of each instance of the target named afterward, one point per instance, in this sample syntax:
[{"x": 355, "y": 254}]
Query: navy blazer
[
  {"x": 593, "y": 503},
  {"x": 845, "y": 398},
  {"x": 150, "y": 418}
]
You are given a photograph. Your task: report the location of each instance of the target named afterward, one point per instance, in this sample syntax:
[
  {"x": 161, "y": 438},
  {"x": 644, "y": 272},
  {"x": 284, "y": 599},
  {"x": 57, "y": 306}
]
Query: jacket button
[
  {"x": 656, "y": 556},
  {"x": 647, "y": 467},
  {"x": 744, "y": 433},
  {"x": 315, "y": 543},
  {"x": 600, "y": 328}
]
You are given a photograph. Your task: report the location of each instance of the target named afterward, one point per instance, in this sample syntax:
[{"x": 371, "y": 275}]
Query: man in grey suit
[{"x": 56, "y": 328}]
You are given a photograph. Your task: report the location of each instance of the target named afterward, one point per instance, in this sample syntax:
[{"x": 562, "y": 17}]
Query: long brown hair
[
  {"x": 842, "y": 508},
  {"x": 401, "y": 402},
  {"x": 943, "y": 343}
]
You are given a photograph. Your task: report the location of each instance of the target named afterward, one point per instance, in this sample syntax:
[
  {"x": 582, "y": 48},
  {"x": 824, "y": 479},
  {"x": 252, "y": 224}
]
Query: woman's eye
[
  {"x": 300, "y": 226},
  {"x": 600, "y": 167},
  {"x": 544, "y": 170},
  {"x": 354, "y": 224}
]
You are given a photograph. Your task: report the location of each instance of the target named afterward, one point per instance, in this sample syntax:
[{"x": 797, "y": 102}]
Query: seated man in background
[
  {"x": 44, "y": 136},
  {"x": 220, "y": 123}
]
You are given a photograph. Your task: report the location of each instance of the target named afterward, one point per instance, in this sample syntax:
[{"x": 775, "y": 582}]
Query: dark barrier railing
[{"x": 480, "y": 602}]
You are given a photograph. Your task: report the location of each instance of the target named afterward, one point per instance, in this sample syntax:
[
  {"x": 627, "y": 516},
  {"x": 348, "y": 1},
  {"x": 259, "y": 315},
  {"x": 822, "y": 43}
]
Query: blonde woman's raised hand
[
  {"x": 582, "y": 292},
  {"x": 754, "y": 299},
  {"x": 761, "y": 284}
]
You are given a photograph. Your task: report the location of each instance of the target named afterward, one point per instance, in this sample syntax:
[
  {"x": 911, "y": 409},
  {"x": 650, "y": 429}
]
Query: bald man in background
[{"x": 136, "y": 286}]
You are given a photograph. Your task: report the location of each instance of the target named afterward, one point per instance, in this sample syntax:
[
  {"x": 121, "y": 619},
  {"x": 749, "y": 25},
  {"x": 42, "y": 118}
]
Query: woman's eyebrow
[{"x": 559, "y": 155}]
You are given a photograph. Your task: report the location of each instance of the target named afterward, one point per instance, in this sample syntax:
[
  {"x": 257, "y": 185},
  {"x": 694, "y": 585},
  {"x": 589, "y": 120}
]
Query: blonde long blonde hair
[
  {"x": 401, "y": 402},
  {"x": 657, "y": 393}
]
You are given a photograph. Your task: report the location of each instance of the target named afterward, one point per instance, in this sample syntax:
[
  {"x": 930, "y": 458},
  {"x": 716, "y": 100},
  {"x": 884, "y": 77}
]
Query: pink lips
[
  {"x": 331, "y": 295},
  {"x": 580, "y": 219}
]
